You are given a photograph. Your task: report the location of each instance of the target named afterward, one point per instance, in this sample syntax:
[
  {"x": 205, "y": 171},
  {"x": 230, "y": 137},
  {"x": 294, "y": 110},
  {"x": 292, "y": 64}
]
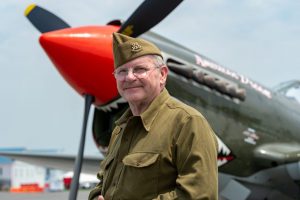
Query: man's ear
[{"x": 164, "y": 73}]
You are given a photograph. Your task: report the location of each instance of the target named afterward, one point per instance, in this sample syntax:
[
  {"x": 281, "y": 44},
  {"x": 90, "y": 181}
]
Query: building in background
[
  {"x": 17, "y": 176},
  {"x": 5, "y": 173}
]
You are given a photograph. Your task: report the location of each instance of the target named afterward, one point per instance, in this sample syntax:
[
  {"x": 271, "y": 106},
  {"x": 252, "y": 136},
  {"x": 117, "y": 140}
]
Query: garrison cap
[{"x": 126, "y": 48}]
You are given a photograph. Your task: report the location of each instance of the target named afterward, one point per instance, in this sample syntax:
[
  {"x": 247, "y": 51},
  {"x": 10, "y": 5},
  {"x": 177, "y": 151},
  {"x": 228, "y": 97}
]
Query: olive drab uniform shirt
[{"x": 169, "y": 152}]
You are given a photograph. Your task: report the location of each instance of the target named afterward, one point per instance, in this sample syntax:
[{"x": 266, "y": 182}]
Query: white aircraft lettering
[{"x": 207, "y": 64}]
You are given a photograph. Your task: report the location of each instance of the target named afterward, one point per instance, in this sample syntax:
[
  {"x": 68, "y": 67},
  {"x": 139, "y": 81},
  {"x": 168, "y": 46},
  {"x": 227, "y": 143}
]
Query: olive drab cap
[{"x": 126, "y": 48}]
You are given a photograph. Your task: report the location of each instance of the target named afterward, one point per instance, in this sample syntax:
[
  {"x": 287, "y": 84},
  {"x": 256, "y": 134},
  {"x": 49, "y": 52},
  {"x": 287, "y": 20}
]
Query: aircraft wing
[
  {"x": 278, "y": 153},
  {"x": 57, "y": 161}
]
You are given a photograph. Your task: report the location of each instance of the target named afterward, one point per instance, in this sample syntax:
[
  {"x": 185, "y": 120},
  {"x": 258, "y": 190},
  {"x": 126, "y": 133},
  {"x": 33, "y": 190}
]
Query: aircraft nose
[{"x": 84, "y": 58}]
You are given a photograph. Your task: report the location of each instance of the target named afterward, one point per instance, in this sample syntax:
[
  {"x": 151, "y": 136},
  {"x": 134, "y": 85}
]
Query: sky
[{"x": 259, "y": 39}]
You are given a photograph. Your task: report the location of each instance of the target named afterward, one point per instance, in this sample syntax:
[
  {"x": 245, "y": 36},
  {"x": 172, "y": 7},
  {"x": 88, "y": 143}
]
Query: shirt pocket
[
  {"x": 140, "y": 159},
  {"x": 142, "y": 169}
]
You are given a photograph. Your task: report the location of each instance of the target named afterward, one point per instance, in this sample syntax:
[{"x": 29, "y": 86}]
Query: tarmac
[{"x": 82, "y": 195}]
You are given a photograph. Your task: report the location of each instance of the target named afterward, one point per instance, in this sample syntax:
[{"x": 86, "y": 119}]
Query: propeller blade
[
  {"x": 44, "y": 20},
  {"x": 147, "y": 15},
  {"x": 78, "y": 162}
]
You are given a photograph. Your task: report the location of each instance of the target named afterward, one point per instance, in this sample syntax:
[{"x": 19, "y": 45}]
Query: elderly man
[{"x": 160, "y": 147}]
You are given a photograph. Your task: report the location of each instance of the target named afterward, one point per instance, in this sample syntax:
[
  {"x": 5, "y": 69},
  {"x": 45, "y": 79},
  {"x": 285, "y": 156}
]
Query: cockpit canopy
[{"x": 290, "y": 89}]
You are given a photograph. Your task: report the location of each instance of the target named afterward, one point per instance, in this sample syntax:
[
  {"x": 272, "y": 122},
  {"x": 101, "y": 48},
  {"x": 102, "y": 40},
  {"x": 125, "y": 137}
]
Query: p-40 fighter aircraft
[{"x": 257, "y": 128}]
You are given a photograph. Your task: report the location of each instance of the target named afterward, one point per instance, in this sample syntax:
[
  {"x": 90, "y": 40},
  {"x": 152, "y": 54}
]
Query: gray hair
[{"x": 157, "y": 60}]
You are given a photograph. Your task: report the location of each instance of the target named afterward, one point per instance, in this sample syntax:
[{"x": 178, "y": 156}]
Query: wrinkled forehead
[{"x": 140, "y": 61}]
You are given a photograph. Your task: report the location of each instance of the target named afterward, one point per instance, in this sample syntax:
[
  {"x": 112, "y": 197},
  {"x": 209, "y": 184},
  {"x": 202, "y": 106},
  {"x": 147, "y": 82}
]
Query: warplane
[{"x": 257, "y": 127}]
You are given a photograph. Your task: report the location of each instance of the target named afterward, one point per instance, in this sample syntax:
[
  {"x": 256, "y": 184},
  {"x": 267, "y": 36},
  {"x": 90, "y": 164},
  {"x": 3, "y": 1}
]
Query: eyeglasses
[{"x": 139, "y": 72}]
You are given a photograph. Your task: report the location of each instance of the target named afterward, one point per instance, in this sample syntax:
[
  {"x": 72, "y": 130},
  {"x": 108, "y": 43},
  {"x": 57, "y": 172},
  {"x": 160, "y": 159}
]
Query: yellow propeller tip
[{"x": 29, "y": 9}]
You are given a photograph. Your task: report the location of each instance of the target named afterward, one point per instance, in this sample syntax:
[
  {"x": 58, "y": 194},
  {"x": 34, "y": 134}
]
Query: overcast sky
[{"x": 259, "y": 39}]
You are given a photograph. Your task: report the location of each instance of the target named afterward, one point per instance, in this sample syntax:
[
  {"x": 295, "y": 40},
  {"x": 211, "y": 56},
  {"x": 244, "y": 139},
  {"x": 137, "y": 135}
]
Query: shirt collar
[{"x": 149, "y": 114}]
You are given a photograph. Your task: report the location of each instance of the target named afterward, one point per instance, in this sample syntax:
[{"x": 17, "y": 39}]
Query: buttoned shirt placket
[{"x": 127, "y": 135}]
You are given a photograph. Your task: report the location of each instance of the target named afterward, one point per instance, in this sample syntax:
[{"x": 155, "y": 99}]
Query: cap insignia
[{"x": 135, "y": 47}]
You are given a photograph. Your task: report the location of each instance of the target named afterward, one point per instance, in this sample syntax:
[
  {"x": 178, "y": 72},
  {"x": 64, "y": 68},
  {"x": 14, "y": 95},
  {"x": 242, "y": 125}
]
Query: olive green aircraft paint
[{"x": 250, "y": 119}]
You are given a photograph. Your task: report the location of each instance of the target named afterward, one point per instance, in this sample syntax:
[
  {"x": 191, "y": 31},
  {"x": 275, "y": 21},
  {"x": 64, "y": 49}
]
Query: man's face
[{"x": 141, "y": 89}]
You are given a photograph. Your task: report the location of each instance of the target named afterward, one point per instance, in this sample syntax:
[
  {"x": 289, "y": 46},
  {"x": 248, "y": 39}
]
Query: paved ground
[{"x": 82, "y": 195}]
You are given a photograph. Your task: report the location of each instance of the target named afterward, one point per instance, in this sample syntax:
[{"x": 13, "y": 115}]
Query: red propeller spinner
[{"x": 84, "y": 58}]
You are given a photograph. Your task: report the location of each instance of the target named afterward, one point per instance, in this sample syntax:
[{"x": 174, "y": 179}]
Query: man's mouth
[{"x": 131, "y": 87}]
